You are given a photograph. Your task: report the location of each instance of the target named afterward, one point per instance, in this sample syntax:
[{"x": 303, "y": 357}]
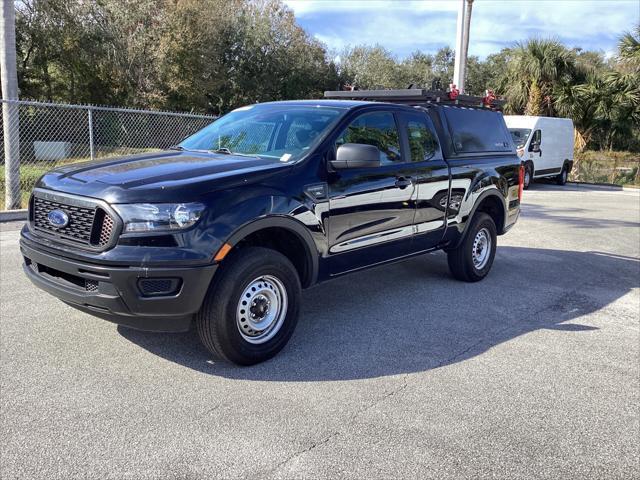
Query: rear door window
[
  {"x": 423, "y": 143},
  {"x": 476, "y": 131}
]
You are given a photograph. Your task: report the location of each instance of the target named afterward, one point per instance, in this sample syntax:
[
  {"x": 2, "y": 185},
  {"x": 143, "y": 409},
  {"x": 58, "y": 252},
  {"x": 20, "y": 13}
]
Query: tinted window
[
  {"x": 378, "y": 129},
  {"x": 476, "y": 131},
  {"x": 423, "y": 144}
]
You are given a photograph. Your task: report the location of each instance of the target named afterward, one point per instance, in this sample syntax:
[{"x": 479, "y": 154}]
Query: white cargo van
[{"x": 545, "y": 144}]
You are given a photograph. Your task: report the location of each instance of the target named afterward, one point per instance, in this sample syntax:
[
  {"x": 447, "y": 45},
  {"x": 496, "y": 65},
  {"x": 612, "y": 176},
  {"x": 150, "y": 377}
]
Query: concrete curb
[
  {"x": 604, "y": 186},
  {"x": 13, "y": 215}
]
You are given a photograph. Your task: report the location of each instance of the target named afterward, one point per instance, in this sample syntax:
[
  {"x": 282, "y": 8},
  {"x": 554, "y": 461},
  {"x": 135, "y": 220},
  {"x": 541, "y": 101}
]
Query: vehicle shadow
[{"x": 412, "y": 316}]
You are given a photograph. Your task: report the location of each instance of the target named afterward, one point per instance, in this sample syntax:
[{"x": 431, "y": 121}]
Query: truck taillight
[{"x": 520, "y": 182}]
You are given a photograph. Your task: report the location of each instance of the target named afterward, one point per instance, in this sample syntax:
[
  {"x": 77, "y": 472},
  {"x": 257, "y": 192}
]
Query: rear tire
[
  {"x": 564, "y": 175},
  {"x": 471, "y": 261},
  {"x": 251, "y": 308}
]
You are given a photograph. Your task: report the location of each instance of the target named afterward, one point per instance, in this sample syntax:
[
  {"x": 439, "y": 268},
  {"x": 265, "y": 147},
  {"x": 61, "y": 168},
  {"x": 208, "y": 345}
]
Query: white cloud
[
  {"x": 307, "y": 7},
  {"x": 403, "y": 26}
]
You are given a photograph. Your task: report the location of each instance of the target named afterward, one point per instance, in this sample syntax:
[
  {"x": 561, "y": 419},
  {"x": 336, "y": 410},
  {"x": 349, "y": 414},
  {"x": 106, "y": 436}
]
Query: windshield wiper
[
  {"x": 180, "y": 148},
  {"x": 226, "y": 151}
]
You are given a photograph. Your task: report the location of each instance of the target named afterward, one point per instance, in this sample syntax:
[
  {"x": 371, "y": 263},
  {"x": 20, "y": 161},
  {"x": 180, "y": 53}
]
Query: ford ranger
[{"x": 224, "y": 230}]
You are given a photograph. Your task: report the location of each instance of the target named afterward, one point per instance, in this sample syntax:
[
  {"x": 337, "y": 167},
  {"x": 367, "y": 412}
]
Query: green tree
[
  {"x": 368, "y": 67},
  {"x": 209, "y": 55},
  {"x": 537, "y": 64},
  {"x": 605, "y": 107},
  {"x": 417, "y": 69},
  {"x": 629, "y": 51}
]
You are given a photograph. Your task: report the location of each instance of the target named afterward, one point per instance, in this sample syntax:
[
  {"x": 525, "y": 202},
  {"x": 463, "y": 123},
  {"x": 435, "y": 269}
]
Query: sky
[{"x": 403, "y": 26}]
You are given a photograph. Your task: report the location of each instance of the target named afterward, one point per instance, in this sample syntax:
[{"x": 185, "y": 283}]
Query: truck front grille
[{"x": 89, "y": 224}]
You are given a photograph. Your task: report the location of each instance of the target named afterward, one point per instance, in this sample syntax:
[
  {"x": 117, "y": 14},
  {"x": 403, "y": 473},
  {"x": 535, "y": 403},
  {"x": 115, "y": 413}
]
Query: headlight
[{"x": 148, "y": 217}]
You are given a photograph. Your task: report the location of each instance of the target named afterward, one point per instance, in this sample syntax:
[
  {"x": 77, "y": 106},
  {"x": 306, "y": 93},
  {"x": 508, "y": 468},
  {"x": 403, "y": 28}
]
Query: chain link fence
[{"x": 37, "y": 137}]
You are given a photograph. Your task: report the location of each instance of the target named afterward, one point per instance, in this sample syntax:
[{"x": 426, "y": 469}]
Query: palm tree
[
  {"x": 606, "y": 106},
  {"x": 536, "y": 68},
  {"x": 629, "y": 50}
]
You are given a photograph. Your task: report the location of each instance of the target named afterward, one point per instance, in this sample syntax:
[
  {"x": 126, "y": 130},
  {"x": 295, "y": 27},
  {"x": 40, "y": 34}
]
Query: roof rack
[{"x": 420, "y": 96}]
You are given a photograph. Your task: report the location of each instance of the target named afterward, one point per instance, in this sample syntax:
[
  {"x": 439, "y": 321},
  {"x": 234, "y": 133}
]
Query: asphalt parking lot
[{"x": 395, "y": 372}]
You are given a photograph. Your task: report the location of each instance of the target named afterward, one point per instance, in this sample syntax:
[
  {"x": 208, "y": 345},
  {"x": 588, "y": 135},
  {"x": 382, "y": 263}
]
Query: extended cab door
[
  {"x": 431, "y": 178},
  {"x": 371, "y": 210}
]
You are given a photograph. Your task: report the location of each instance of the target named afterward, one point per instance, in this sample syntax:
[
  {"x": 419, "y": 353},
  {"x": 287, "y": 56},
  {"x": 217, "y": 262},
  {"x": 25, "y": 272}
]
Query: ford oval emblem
[{"x": 58, "y": 218}]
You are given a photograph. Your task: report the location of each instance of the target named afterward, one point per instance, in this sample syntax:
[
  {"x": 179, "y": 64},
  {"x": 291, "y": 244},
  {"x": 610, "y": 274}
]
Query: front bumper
[{"x": 115, "y": 293}]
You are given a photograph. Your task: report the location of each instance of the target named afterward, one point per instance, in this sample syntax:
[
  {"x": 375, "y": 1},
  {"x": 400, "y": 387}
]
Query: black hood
[{"x": 159, "y": 176}]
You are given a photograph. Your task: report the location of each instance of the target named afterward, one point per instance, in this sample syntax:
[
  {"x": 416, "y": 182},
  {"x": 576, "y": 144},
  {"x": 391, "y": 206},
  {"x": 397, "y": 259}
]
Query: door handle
[
  {"x": 540, "y": 153},
  {"x": 403, "y": 182}
]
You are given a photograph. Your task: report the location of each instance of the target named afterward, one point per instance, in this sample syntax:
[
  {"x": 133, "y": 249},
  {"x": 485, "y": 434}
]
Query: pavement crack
[
  {"x": 299, "y": 453},
  {"x": 332, "y": 435}
]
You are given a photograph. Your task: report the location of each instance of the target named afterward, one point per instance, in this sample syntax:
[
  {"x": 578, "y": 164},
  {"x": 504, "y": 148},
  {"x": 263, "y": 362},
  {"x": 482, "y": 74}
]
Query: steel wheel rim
[
  {"x": 527, "y": 177},
  {"x": 261, "y": 310},
  {"x": 564, "y": 176},
  {"x": 481, "y": 249}
]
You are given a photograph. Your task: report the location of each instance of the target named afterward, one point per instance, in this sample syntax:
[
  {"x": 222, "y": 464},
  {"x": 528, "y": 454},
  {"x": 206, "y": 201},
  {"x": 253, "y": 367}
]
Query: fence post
[
  {"x": 90, "y": 112},
  {"x": 10, "y": 110}
]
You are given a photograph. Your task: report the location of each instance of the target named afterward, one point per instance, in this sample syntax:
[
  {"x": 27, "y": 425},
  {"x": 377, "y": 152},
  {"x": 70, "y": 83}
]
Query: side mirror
[
  {"x": 535, "y": 147},
  {"x": 356, "y": 155}
]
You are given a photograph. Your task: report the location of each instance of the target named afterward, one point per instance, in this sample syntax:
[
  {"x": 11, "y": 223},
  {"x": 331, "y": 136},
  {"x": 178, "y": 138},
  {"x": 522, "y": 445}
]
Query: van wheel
[
  {"x": 564, "y": 174},
  {"x": 471, "y": 261},
  {"x": 251, "y": 308},
  {"x": 528, "y": 175}
]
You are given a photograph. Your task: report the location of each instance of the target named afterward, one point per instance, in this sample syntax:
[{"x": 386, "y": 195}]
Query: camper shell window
[{"x": 474, "y": 130}]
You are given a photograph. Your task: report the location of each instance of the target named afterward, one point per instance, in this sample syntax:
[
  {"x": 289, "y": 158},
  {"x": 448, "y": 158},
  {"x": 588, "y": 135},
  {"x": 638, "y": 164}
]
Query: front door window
[{"x": 378, "y": 129}]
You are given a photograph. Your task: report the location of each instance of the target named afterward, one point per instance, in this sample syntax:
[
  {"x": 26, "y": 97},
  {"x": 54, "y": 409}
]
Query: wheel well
[
  {"x": 533, "y": 168},
  {"x": 287, "y": 243},
  {"x": 491, "y": 205}
]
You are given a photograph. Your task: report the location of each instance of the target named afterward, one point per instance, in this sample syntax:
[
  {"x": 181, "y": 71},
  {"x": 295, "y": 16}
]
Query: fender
[
  {"x": 492, "y": 192},
  {"x": 287, "y": 223}
]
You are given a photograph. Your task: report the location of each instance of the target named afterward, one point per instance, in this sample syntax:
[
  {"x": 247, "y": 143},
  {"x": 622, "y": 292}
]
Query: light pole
[
  {"x": 462, "y": 43},
  {"x": 10, "y": 113}
]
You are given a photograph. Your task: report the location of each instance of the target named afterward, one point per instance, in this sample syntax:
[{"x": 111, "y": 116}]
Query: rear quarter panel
[{"x": 476, "y": 179}]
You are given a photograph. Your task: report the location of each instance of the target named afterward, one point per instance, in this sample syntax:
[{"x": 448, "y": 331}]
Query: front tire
[
  {"x": 528, "y": 176},
  {"x": 471, "y": 261},
  {"x": 251, "y": 308}
]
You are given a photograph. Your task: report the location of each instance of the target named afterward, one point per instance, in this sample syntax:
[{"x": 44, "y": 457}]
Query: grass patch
[{"x": 30, "y": 173}]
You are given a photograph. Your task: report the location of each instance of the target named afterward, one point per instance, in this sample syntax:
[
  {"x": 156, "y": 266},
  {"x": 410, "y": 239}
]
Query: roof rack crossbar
[{"x": 412, "y": 96}]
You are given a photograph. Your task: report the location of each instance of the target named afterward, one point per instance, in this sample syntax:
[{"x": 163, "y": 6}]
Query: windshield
[
  {"x": 275, "y": 131},
  {"x": 519, "y": 136}
]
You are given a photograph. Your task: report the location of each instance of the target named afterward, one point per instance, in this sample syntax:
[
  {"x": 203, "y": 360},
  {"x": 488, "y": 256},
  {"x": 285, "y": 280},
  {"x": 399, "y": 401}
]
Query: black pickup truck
[{"x": 226, "y": 228}]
